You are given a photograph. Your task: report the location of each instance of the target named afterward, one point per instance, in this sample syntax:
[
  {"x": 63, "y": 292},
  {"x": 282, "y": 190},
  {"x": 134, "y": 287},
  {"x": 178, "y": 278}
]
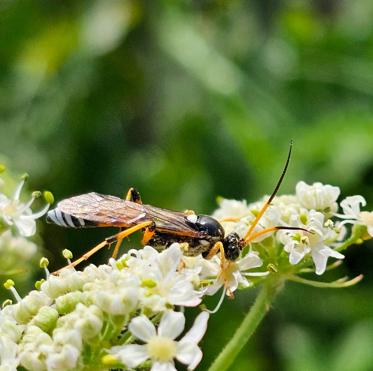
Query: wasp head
[{"x": 232, "y": 246}]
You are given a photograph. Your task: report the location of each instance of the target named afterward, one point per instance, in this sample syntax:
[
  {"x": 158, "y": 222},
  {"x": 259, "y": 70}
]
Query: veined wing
[
  {"x": 97, "y": 210},
  {"x": 171, "y": 222}
]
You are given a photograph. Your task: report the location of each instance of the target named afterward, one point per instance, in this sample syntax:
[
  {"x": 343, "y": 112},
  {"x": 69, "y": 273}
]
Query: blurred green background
[{"x": 190, "y": 100}]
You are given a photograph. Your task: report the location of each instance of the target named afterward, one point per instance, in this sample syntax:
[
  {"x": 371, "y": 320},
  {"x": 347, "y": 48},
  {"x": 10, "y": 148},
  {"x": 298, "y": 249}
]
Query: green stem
[{"x": 248, "y": 326}]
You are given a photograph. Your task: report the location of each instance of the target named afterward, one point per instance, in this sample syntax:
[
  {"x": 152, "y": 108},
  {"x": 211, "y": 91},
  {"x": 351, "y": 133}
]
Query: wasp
[{"x": 198, "y": 234}]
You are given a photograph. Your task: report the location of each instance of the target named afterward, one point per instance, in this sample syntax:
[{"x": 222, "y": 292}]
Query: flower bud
[
  {"x": 67, "y": 303},
  {"x": 46, "y": 318},
  {"x": 30, "y": 305}
]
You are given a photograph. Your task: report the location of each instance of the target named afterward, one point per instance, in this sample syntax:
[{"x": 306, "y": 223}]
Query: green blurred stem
[{"x": 253, "y": 318}]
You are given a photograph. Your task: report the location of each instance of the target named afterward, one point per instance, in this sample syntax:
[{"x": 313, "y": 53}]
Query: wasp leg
[
  {"x": 148, "y": 234},
  {"x": 107, "y": 242},
  {"x": 133, "y": 195},
  {"x": 224, "y": 265}
]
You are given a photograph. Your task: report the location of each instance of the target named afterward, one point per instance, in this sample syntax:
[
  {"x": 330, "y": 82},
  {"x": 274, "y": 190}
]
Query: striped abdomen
[{"x": 62, "y": 219}]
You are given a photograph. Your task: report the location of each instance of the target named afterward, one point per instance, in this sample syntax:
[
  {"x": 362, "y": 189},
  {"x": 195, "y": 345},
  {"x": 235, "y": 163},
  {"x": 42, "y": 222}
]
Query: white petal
[
  {"x": 196, "y": 359},
  {"x": 142, "y": 328},
  {"x": 295, "y": 256},
  {"x": 26, "y": 226},
  {"x": 351, "y": 205},
  {"x": 131, "y": 355},
  {"x": 170, "y": 258},
  {"x": 171, "y": 325},
  {"x": 249, "y": 261},
  {"x": 320, "y": 261},
  {"x": 213, "y": 289},
  {"x": 186, "y": 352},
  {"x": 195, "y": 334},
  {"x": 163, "y": 366}
]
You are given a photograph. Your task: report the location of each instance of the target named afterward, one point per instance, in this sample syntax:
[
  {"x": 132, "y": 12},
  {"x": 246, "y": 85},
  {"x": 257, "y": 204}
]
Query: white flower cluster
[
  {"x": 314, "y": 208},
  {"x": 17, "y": 223},
  {"x": 126, "y": 308},
  {"x": 129, "y": 313}
]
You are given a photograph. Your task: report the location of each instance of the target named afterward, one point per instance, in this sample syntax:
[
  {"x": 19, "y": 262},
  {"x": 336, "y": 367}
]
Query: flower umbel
[{"x": 129, "y": 312}]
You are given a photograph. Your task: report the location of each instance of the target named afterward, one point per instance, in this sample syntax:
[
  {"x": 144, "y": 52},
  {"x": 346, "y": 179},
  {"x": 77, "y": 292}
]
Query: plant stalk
[{"x": 253, "y": 318}]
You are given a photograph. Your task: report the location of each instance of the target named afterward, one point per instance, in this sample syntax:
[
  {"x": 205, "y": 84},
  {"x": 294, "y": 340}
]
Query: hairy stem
[{"x": 248, "y": 326}]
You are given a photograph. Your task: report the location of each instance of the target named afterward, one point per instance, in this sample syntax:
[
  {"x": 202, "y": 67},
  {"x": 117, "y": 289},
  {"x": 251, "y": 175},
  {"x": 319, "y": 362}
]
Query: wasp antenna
[{"x": 266, "y": 205}]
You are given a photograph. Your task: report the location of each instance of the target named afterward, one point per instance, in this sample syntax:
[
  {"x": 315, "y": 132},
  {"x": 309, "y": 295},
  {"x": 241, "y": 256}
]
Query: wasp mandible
[{"x": 199, "y": 234}]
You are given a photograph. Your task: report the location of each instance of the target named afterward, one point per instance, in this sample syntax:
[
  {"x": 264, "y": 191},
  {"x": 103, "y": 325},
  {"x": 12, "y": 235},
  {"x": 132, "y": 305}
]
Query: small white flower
[
  {"x": 15, "y": 212},
  {"x": 353, "y": 215},
  {"x": 298, "y": 243},
  {"x": 161, "y": 281},
  {"x": 318, "y": 196},
  {"x": 160, "y": 345},
  {"x": 234, "y": 274}
]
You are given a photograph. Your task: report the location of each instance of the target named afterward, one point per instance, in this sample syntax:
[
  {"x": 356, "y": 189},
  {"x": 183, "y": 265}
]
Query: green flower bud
[
  {"x": 67, "y": 303},
  {"x": 30, "y": 305},
  {"x": 46, "y": 319}
]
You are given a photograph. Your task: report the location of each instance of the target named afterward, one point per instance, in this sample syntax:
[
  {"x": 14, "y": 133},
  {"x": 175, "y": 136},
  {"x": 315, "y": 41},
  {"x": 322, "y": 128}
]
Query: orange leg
[
  {"x": 224, "y": 264},
  {"x": 148, "y": 234},
  {"x": 214, "y": 250},
  {"x": 108, "y": 241}
]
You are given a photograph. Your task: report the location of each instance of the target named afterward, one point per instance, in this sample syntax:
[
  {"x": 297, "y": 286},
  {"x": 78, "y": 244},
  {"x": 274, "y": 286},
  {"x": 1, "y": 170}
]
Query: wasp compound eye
[
  {"x": 208, "y": 225},
  {"x": 232, "y": 246}
]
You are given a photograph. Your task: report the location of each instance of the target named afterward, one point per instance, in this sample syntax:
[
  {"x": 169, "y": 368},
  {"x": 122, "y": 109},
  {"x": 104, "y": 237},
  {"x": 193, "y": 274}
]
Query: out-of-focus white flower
[
  {"x": 318, "y": 196},
  {"x": 299, "y": 243},
  {"x": 234, "y": 273},
  {"x": 353, "y": 215},
  {"x": 16, "y": 252},
  {"x": 160, "y": 344},
  {"x": 15, "y": 212},
  {"x": 8, "y": 354},
  {"x": 231, "y": 208}
]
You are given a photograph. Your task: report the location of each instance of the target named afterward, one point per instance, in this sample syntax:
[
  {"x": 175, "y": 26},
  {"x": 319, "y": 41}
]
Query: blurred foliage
[{"x": 194, "y": 99}]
